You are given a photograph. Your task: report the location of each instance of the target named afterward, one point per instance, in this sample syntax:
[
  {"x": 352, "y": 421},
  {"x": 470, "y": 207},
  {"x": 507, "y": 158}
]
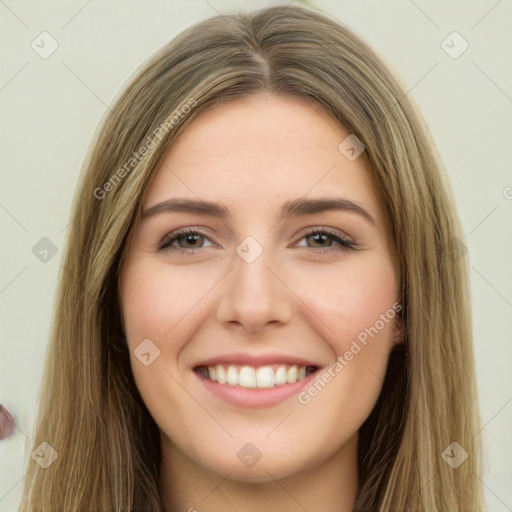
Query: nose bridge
[
  {"x": 254, "y": 295},
  {"x": 251, "y": 267}
]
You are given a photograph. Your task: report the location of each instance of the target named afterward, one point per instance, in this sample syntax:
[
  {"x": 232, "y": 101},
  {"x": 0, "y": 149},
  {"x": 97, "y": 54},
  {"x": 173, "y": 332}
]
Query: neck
[{"x": 330, "y": 486}]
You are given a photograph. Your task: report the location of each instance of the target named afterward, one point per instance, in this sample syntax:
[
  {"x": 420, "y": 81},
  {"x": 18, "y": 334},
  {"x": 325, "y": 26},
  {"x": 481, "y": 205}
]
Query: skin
[{"x": 296, "y": 298}]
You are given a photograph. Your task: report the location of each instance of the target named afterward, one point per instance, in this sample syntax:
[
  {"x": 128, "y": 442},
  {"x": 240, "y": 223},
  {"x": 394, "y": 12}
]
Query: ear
[{"x": 399, "y": 332}]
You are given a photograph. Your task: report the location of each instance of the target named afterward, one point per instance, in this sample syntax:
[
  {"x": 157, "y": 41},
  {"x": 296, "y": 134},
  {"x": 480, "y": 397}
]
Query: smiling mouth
[{"x": 268, "y": 376}]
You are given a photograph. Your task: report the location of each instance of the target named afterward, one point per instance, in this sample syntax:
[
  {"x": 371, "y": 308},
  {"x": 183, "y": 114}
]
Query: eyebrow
[{"x": 292, "y": 208}]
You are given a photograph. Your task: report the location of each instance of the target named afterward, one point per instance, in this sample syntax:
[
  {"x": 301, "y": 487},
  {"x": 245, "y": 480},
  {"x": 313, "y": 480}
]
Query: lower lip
[{"x": 255, "y": 398}]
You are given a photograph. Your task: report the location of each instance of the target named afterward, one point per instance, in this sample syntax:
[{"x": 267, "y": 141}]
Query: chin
[
  {"x": 260, "y": 461},
  {"x": 261, "y": 472}
]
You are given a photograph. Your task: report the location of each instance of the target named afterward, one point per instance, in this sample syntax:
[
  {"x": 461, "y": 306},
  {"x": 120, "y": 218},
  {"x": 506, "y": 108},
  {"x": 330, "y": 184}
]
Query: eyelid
[
  {"x": 173, "y": 235},
  {"x": 332, "y": 231}
]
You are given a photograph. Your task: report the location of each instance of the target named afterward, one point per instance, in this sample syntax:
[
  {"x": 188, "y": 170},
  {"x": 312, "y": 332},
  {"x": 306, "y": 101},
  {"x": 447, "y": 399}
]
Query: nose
[{"x": 255, "y": 294}]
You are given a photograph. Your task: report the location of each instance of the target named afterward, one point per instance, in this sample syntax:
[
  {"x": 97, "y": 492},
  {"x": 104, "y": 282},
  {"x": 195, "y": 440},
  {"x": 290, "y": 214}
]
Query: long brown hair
[{"x": 90, "y": 410}]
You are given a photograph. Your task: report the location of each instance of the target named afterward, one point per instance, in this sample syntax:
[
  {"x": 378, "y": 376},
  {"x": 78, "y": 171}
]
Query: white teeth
[
  {"x": 280, "y": 377},
  {"x": 265, "y": 377},
  {"x": 247, "y": 377},
  {"x": 291, "y": 376},
  {"x": 220, "y": 374},
  {"x": 261, "y": 377},
  {"x": 232, "y": 376}
]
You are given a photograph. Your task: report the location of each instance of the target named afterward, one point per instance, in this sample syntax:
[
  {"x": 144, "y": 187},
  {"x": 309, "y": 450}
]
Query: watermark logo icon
[
  {"x": 454, "y": 455},
  {"x": 454, "y": 45},
  {"x": 249, "y": 455},
  {"x": 44, "y": 250},
  {"x": 44, "y": 45},
  {"x": 351, "y": 147},
  {"x": 249, "y": 249},
  {"x": 146, "y": 352},
  {"x": 45, "y": 455},
  {"x": 456, "y": 249}
]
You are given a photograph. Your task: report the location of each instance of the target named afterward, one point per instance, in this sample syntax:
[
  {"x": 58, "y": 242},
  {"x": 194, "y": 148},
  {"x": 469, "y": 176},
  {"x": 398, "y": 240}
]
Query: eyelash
[{"x": 172, "y": 237}]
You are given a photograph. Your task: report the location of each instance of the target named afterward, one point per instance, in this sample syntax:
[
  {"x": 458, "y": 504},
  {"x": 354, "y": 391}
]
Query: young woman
[{"x": 261, "y": 306}]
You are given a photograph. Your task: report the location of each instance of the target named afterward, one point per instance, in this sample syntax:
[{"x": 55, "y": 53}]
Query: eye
[
  {"x": 190, "y": 240},
  {"x": 320, "y": 236},
  {"x": 189, "y": 236}
]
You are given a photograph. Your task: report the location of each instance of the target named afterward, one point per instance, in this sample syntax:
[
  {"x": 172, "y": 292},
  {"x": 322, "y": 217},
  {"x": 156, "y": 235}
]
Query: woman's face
[{"x": 259, "y": 297}]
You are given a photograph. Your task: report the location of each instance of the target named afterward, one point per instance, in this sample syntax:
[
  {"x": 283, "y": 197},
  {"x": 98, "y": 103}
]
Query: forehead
[{"x": 260, "y": 152}]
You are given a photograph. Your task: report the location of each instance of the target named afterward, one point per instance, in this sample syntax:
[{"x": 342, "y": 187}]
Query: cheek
[
  {"x": 158, "y": 300},
  {"x": 346, "y": 299},
  {"x": 163, "y": 304},
  {"x": 367, "y": 306},
  {"x": 167, "y": 306},
  {"x": 356, "y": 312}
]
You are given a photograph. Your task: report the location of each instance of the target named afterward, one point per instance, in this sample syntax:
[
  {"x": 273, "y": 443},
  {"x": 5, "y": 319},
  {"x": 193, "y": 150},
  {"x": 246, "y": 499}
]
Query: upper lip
[{"x": 257, "y": 359}]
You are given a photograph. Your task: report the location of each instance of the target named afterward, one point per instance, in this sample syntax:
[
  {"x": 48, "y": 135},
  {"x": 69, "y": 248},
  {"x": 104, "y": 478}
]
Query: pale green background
[{"x": 51, "y": 107}]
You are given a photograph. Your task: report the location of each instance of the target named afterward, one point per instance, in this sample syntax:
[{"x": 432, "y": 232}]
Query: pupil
[
  {"x": 320, "y": 235},
  {"x": 190, "y": 238}
]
